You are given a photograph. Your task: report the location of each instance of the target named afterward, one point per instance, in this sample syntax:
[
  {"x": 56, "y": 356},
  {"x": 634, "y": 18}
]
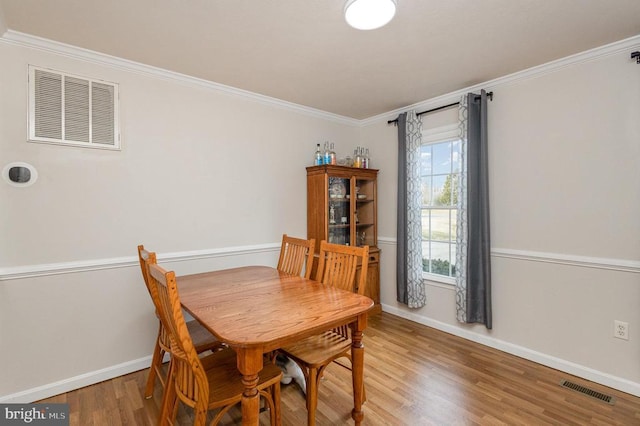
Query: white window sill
[{"x": 439, "y": 280}]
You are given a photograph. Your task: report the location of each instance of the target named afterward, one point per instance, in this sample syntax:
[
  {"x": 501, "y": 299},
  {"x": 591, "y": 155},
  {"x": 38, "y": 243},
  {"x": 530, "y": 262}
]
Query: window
[
  {"x": 72, "y": 110},
  {"x": 439, "y": 170}
]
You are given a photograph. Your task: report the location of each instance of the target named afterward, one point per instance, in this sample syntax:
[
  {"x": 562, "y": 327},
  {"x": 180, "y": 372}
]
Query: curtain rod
[{"x": 489, "y": 95}]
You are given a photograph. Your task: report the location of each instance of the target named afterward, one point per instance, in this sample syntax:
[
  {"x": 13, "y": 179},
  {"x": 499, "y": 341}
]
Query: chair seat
[
  {"x": 315, "y": 351},
  {"x": 203, "y": 340},
  {"x": 225, "y": 381}
]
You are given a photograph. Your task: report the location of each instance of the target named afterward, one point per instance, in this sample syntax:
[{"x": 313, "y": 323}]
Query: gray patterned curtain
[
  {"x": 410, "y": 288},
  {"x": 473, "y": 261}
]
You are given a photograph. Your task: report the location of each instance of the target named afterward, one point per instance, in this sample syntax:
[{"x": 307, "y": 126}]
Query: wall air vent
[{"x": 71, "y": 110}]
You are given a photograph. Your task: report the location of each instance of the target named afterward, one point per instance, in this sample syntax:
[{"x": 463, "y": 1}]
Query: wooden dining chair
[
  {"x": 296, "y": 254},
  {"x": 208, "y": 383},
  {"x": 336, "y": 267},
  {"x": 203, "y": 340}
]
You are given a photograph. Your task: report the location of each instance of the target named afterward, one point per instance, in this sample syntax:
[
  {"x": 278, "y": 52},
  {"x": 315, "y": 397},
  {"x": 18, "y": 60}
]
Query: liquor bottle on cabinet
[{"x": 342, "y": 209}]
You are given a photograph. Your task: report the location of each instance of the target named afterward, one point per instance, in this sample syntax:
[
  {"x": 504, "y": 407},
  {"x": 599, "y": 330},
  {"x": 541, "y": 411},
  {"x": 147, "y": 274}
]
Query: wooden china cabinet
[{"x": 342, "y": 209}]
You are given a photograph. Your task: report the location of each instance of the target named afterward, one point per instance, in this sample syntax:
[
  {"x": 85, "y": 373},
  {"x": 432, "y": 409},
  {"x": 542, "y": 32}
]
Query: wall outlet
[{"x": 621, "y": 330}]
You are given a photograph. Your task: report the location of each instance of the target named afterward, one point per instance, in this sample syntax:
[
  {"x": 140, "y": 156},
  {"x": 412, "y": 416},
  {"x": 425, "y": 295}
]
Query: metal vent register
[{"x": 589, "y": 392}]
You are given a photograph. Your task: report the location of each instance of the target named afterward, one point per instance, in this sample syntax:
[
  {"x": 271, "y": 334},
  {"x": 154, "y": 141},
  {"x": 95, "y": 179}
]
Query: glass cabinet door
[
  {"x": 339, "y": 213},
  {"x": 364, "y": 214}
]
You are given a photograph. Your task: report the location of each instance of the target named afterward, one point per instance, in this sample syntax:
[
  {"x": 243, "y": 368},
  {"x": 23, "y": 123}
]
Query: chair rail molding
[
  {"x": 621, "y": 265},
  {"x": 29, "y": 271},
  {"x": 613, "y": 264},
  {"x": 40, "y": 270}
]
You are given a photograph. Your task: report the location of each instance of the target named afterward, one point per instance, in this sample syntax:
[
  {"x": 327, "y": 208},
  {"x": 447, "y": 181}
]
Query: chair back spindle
[
  {"x": 296, "y": 254},
  {"x": 338, "y": 265}
]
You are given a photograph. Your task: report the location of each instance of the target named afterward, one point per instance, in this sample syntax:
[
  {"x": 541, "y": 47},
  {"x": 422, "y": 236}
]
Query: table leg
[
  {"x": 357, "y": 359},
  {"x": 249, "y": 365}
]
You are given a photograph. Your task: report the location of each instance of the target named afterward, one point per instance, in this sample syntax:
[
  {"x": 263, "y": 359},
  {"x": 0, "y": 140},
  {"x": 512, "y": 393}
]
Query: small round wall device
[{"x": 19, "y": 174}]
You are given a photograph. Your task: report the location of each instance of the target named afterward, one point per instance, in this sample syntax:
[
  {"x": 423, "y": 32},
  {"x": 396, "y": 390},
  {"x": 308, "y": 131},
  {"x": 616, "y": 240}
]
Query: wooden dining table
[{"x": 258, "y": 309}]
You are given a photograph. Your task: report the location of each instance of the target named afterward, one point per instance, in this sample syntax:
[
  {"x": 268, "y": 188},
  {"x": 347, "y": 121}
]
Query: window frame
[
  {"x": 31, "y": 114},
  {"x": 442, "y": 134}
]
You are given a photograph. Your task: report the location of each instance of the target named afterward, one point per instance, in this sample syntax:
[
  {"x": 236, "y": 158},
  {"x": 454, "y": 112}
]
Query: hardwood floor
[{"x": 414, "y": 375}]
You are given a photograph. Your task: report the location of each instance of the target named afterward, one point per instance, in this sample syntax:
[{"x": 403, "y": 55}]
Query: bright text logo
[{"x": 36, "y": 414}]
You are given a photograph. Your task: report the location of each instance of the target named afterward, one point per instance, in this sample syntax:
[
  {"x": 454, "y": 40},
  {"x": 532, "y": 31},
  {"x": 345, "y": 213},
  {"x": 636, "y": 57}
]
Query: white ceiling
[{"x": 302, "y": 51}]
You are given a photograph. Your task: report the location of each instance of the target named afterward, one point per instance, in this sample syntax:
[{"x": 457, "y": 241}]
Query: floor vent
[{"x": 589, "y": 392}]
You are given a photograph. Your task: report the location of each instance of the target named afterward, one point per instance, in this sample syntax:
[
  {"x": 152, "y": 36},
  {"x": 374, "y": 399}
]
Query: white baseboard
[
  {"x": 586, "y": 373},
  {"x": 77, "y": 382}
]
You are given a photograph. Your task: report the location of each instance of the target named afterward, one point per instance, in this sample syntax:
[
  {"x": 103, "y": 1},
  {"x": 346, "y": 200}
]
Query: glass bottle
[
  {"x": 317, "y": 161},
  {"x": 332, "y": 156},
  {"x": 327, "y": 154}
]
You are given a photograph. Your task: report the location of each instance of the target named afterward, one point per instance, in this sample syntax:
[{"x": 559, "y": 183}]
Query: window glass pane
[
  {"x": 425, "y": 225},
  {"x": 440, "y": 258},
  {"x": 439, "y": 197},
  {"x": 448, "y": 192},
  {"x": 425, "y": 256},
  {"x": 453, "y": 259},
  {"x": 425, "y": 160},
  {"x": 454, "y": 225},
  {"x": 440, "y": 225},
  {"x": 441, "y": 158},
  {"x": 425, "y": 186},
  {"x": 455, "y": 154}
]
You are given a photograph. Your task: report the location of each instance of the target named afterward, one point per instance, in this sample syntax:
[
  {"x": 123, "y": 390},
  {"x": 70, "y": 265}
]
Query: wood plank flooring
[{"x": 414, "y": 375}]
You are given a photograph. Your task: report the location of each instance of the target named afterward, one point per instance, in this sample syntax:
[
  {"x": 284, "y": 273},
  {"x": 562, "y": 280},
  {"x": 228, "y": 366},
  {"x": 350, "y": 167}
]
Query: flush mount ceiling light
[{"x": 369, "y": 14}]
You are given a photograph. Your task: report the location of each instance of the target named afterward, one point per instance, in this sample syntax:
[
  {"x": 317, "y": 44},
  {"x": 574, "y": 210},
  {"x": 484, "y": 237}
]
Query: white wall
[
  {"x": 565, "y": 210},
  {"x": 3, "y": 24},
  {"x": 210, "y": 179},
  {"x": 205, "y": 176}
]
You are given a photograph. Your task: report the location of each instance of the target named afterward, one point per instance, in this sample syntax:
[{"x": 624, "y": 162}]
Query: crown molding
[
  {"x": 74, "y": 52},
  {"x": 533, "y": 72},
  {"x": 33, "y": 42}
]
